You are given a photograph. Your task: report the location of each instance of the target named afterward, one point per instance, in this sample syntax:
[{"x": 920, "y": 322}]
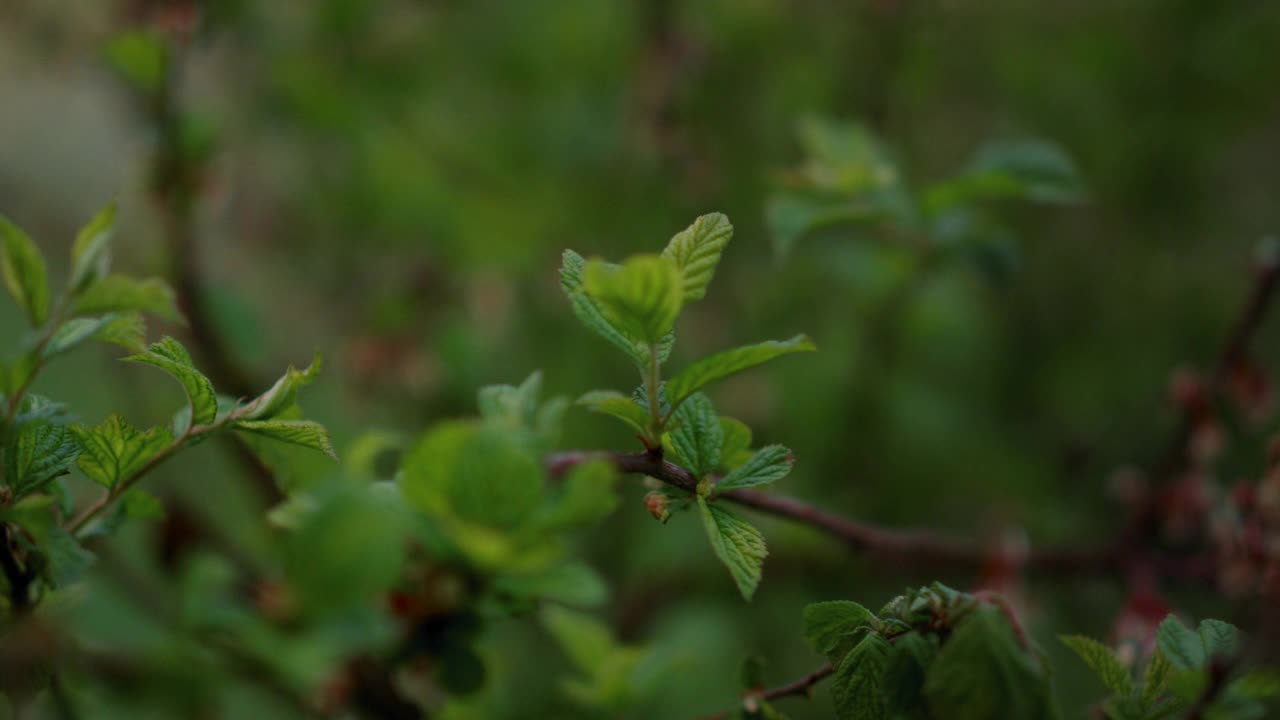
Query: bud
[{"x": 657, "y": 505}]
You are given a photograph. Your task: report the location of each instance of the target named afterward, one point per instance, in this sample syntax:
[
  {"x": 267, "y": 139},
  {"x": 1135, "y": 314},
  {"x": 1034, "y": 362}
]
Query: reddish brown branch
[{"x": 803, "y": 686}]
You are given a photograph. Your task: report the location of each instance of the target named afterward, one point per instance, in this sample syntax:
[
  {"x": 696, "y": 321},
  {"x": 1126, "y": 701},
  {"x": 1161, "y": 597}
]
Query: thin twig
[{"x": 803, "y": 686}]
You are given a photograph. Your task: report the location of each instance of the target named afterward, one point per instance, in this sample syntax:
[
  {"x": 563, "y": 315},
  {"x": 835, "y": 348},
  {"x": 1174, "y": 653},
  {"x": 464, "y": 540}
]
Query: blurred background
[{"x": 391, "y": 183}]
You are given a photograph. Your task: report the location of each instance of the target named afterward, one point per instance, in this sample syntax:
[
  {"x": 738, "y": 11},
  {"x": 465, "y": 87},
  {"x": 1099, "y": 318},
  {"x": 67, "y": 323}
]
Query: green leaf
[
  {"x": 474, "y": 473},
  {"x": 737, "y": 442},
  {"x": 515, "y": 407},
  {"x": 904, "y": 678},
  {"x": 832, "y": 627},
  {"x": 696, "y": 252},
  {"x": 587, "y": 496},
  {"x": 307, "y": 433},
  {"x": 141, "y": 57},
  {"x": 585, "y": 639},
  {"x": 697, "y": 437},
  {"x": 1104, "y": 663},
  {"x": 1219, "y": 638},
  {"x": 737, "y": 543},
  {"x": 142, "y": 505},
  {"x": 114, "y": 451},
  {"x": 120, "y": 293},
  {"x": 983, "y": 673},
  {"x": 119, "y": 329},
  {"x": 91, "y": 252},
  {"x": 67, "y": 560},
  {"x": 169, "y": 355},
  {"x": 858, "y": 685},
  {"x": 1041, "y": 170},
  {"x": 724, "y": 364},
  {"x": 1155, "y": 679},
  {"x": 283, "y": 394},
  {"x": 569, "y": 583},
  {"x": 641, "y": 297},
  {"x": 1183, "y": 648},
  {"x": 39, "y": 453},
  {"x": 24, "y": 272},
  {"x": 770, "y": 464},
  {"x": 589, "y": 313},
  {"x": 610, "y": 402}
]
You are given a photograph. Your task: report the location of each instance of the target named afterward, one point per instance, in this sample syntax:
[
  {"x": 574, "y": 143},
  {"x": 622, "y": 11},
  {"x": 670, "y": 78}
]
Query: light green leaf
[
  {"x": 642, "y": 297},
  {"x": 983, "y": 673},
  {"x": 833, "y": 627},
  {"x": 618, "y": 405},
  {"x": 1104, "y": 663},
  {"x": 141, "y": 57},
  {"x": 142, "y": 505},
  {"x": 770, "y": 464},
  {"x": 114, "y": 451},
  {"x": 24, "y": 272},
  {"x": 120, "y": 329},
  {"x": 1219, "y": 638},
  {"x": 584, "y": 638},
  {"x": 120, "y": 293},
  {"x": 737, "y": 442},
  {"x": 858, "y": 685},
  {"x": 40, "y": 452},
  {"x": 283, "y": 394},
  {"x": 587, "y": 496},
  {"x": 724, "y": 364},
  {"x": 514, "y": 407},
  {"x": 306, "y": 433},
  {"x": 91, "y": 253},
  {"x": 569, "y": 583},
  {"x": 737, "y": 543},
  {"x": 697, "y": 437},
  {"x": 696, "y": 252},
  {"x": 169, "y": 355},
  {"x": 1182, "y": 647},
  {"x": 589, "y": 314}
]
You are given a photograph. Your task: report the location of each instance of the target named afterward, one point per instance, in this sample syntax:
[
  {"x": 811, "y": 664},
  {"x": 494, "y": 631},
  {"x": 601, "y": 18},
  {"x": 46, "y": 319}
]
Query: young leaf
[
  {"x": 737, "y": 543},
  {"x": 830, "y": 627},
  {"x": 720, "y": 365},
  {"x": 39, "y": 453},
  {"x": 1219, "y": 638},
  {"x": 770, "y": 464},
  {"x": 642, "y": 297},
  {"x": 569, "y": 583},
  {"x": 983, "y": 673},
  {"x": 1104, "y": 663},
  {"x": 585, "y": 639},
  {"x": 737, "y": 442},
  {"x": 514, "y": 407},
  {"x": 1155, "y": 679},
  {"x": 283, "y": 394},
  {"x": 306, "y": 433},
  {"x": 119, "y": 293},
  {"x": 24, "y": 272},
  {"x": 858, "y": 685},
  {"x": 119, "y": 329},
  {"x": 91, "y": 252},
  {"x": 115, "y": 450},
  {"x": 1183, "y": 648},
  {"x": 588, "y": 312},
  {"x": 169, "y": 355},
  {"x": 698, "y": 437},
  {"x": 618, "y": 405},
  {"x": 142, "y": 505},
  {"x": 696, "y": 252}
]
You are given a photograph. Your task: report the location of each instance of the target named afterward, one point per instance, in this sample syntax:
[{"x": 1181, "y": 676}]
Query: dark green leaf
[
  {"x": 983, "y": 673},
  {"x": 832, "y": 627},
  {"x": 858, "y": 685},
  {"x": 1104, "y": 663},
  {"x": 1219, "y": 638},
  {"x": 1182, "y": 647},
  {"x": 40, "y": 452},
  {"x": 697, "y": 436}
]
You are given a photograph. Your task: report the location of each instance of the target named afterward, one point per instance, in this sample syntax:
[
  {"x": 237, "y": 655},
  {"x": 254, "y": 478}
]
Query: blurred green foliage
[{"x": 1004, "y": 224}]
